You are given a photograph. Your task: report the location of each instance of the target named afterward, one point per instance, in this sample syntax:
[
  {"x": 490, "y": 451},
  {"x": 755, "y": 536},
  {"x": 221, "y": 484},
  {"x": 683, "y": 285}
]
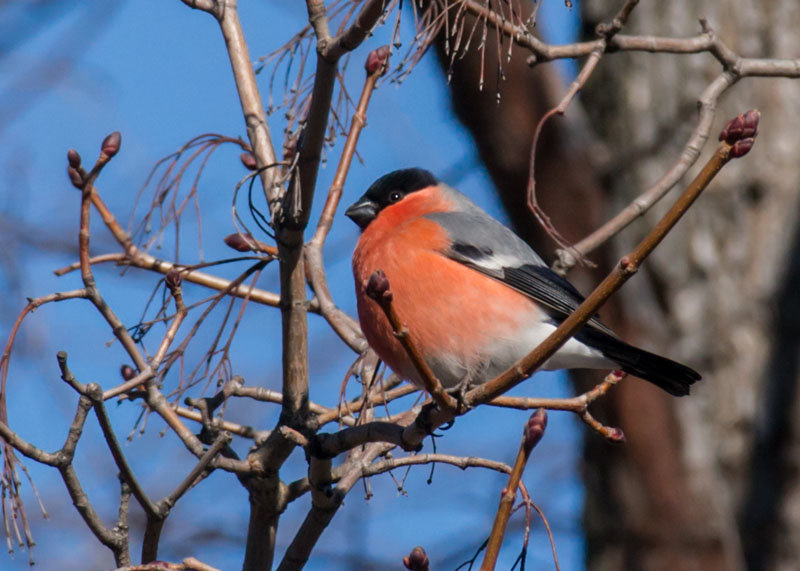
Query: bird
[{"x": 474, "y": 297}]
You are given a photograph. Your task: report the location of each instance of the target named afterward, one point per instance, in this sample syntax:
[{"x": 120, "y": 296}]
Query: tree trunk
[
  {"x": 703, "y": 482},
  {"x": 713, "y": 284}
]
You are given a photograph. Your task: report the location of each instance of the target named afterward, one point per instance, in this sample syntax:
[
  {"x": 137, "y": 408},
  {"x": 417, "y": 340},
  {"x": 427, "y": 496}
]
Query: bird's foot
[{"x": 459, "y": 392}]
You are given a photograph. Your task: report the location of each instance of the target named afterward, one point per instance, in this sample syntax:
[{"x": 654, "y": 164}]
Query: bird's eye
[{"x": 395, "y": 196}]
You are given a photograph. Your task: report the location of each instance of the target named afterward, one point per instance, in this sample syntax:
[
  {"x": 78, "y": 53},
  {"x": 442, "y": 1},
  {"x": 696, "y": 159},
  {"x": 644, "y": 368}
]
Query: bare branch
[
  {"x": 226, "y": 13},
  {"x": 347, "y": 329},
  {"x": 267, "y": 395},
  {"x": 156, "y": 519},
  {"x": 379, "y": 290},
  {"x": 331, "y": 445},
  {"x": 533, "y": 432},
  {"x": 625, "y": 269},
  {"x": 121, "y": 527},
  {"x": 579, "y": 405},
  {"x": 94, "y": 392},
  {"x": 67, "y": 451},
  {"x": 352, "y": 37},
  {"x": 81, "y": 502},
  {"x": 374, "y": 400},
  {"x": 173, "y": 281},
  {"x": 219, "y": 444},
  {"x": 321, "y": 513},
  {"x": 637, "y": 208},
  {"x": 462, "y": 462},
  {"x": 26, "y": 448},
  {"x": 232, "y": 427}
]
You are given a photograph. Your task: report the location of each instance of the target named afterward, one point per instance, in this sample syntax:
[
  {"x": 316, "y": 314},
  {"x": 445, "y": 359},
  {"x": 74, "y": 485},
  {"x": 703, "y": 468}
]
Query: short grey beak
[{"x": 362, "y": 212}]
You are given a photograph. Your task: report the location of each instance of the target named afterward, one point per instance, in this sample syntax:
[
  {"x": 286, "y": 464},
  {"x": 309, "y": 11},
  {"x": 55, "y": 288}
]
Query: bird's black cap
[{"x": 387, "y": 190}]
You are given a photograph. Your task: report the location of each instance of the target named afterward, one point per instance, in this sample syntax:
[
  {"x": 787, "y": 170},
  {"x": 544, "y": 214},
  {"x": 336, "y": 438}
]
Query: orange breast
[{"x": 454, "y": 314}]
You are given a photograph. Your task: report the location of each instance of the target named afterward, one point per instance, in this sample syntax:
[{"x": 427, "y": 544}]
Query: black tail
[{"x": 662, "y": 372}]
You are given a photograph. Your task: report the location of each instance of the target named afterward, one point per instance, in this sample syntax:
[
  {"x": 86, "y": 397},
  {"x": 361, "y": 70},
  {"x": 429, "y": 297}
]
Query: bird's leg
[
  {"x": 423, "y": 420},
  {"x": 460, "y": 390}
]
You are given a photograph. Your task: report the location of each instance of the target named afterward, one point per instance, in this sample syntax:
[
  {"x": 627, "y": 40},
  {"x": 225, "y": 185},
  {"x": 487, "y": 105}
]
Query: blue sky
[{"x": 157, "y": 72}]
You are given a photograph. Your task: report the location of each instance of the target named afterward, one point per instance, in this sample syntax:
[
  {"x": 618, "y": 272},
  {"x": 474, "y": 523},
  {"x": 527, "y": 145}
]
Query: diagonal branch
[
  {"x": 156, "y": 519},
  {"x": 347, "y": 329},
  {"x": 227, "y": 15},
  {"x": 531, "y": 435},
  {"x": 567, "y": 257},
  {"x": 378, "y": 289},
  {"x": 728, "y": 149},
  {"x": 354, "y": 35}
]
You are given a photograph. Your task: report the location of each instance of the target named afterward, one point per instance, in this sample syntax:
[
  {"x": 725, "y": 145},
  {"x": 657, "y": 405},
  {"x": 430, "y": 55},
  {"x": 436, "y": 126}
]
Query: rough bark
[
  {"x": 714, "y": 286},
  {"x": 704, "y": 482}
]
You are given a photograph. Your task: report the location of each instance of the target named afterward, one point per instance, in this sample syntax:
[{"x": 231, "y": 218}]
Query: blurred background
[{"x": 707, "y": 482}]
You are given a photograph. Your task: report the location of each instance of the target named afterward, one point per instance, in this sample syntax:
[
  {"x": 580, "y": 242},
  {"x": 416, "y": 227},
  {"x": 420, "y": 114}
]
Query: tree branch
[
  {"x": 579, "y": 405},
  {"x": 627, "y": 266},
  {"x": 532, "y": 434},
  {"x": 347, "y": 329},
  {"x": 352, "y": 37},
  {"x": 378, "y": 289},
  {"x": 227, "y": 14}
]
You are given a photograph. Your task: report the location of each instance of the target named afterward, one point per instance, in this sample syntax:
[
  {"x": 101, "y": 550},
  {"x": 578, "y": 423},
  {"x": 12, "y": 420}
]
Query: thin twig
[
  {"x": 156, "y": 519},
  {"x": 347, "y": 329},
  {"x": 94, "y": 392},
  {"x": 136, "y": 257},
  {"x": 378, "y": 289},
  {"x": 227, "y": 15},
  {"x": 532, "y": 434},
  {"x": 606, "y": 33},
  {"x": 691, "y": 152},
  {"x": 579, "y": 405}
]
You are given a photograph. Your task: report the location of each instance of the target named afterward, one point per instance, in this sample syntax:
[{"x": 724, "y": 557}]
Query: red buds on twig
[
  {"x": 740, "y": 132},
  {"x": 73, "y": 158},
  {"x": 173, "y": 279},
  {"x": 741, "y": 127},
  {"x": 615, "y": 434},
  {"x": 249, "y": 161},
  {"x": 378, "y": 287},
  {"x": 75, "y": 177},
  {"x": 741, "y": 148},
  {"x": 239, "y": 243},
  {"x": 74, "y": 171},
  {"x": 83, "y": 180},
  {"x": 242, "y": 243},
  {"x": 127, "y": 372},
  {"x": 378, "y": 60},
  {"x": 111, "y": 144},
  {"x": 417, "y": 560},
  {"x": 534, "y": 429}
]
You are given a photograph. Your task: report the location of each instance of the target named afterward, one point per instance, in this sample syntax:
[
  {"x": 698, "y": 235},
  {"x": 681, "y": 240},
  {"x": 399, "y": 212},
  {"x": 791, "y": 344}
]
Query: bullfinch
[{"x": 474, "y": 297}]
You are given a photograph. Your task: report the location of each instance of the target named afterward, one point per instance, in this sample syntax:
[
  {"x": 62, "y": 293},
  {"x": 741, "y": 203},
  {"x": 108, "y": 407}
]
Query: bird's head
[{"x": 388, "y": 190}]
